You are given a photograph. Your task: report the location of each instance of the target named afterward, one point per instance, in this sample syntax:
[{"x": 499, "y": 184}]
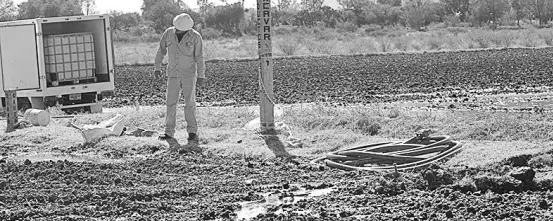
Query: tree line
[{"x": 234, "y": 19}]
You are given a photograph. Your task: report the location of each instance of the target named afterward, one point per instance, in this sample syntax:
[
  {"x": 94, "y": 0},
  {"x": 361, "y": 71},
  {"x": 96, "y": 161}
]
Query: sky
[{"x": 103, "y": 6}]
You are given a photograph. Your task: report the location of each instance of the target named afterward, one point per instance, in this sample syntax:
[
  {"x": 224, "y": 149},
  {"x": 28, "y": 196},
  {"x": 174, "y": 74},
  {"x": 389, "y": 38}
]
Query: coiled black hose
[{"x": 389, "y": 156}]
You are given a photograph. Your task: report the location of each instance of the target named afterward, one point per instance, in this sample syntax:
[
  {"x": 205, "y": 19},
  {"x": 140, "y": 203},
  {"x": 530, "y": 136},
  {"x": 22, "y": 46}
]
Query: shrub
[
  {"x": 453, "y": 42},
  {"x": 495, "y": 39},
  {"x": 482, "y": 40},
  {"x": 211, "y": 33},
  {"x": 402, "y": 43},
  {"x": 378, "y": 33},
  {"x": 456, "y": 30},
  {"x": 318, "y": 47},
  {"x": 385, "y": 43},
  {"x": 346, "y": 27},
  {"x": 136, "y": 34},
  {"x": 531, "y": 41},
  {"x": 360, "y": 46},
  {"x": 326, "y": 34},
  {"x": 509, "y": 19},
  {"x": 371, "y": 28},
  {"x": 434, "y": 43},
  {"x": 284, "y": 30},
  {"x": 452, "y": 21},
  {"x": 121, "y": 36},
  {"x": 367, "y": 127},
  {"x": 288, "y": 46},
  {"x": 508, "y": 39},
  {"x": 547, "y": 36}
]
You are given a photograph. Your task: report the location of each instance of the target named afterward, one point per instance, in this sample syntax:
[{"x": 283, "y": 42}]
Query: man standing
[{"x": 185, "y": 70}]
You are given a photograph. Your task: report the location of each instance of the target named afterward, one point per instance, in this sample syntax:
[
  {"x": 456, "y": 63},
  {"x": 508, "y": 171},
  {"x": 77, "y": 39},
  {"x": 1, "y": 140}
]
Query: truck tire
[
  {"x": 50, "y": 101},
  {"x": 23, "y": 104}
]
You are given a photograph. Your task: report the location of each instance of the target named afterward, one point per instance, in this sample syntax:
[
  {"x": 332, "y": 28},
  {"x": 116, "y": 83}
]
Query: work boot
[
  {"x": 165, "y": 137},
  {"x": 193, "y": 144},
  {"x": 193, "y": 139},
  {"x": 173, "y": 143}
]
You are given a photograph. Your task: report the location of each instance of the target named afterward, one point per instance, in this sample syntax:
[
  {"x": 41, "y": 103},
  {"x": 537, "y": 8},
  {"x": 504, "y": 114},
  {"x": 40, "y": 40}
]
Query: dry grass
[
  {"x": 486, "y": 153},
  {"x": 489, "y": 137},
  {"x": 135, "y": 53},
  {"x": 329, "y": 42},
  {"x": 145, "y": 53},
  {"x": 400, "y": 122}
]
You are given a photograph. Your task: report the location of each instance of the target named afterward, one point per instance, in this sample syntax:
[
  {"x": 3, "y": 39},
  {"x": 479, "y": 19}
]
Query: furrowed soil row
[
  {"x": 357, "y": 79},
  {"x": 214, "y": 188}
]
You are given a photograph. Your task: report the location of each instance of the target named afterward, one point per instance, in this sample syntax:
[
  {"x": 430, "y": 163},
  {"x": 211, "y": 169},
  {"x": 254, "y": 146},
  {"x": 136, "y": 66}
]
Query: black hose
[{"x": 389, "y": 156}]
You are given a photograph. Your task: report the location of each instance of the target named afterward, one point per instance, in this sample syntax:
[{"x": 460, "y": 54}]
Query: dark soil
[
  {"x": 211, "y": 188},
  {"x": 457, "y": 76},
  {"x": 180, "y": 187}
]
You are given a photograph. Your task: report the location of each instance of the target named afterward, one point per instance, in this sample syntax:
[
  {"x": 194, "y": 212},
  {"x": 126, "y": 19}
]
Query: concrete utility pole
[
  {"x": 266, "y": 95},
  {"x": 265, "y": 65},
  {"x": 11, "y": 110}
]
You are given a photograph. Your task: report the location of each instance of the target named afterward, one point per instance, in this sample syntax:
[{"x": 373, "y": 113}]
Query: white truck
[{"x": 64, "y": 62}]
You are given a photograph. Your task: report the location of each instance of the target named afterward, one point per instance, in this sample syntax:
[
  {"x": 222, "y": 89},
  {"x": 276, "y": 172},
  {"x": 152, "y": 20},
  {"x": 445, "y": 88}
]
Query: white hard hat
[{"x": 183, "y": 22}]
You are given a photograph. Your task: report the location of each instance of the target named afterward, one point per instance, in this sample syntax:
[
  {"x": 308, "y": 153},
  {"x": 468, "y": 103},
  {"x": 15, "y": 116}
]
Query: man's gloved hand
[
  {"x": 200, "y": 82},
  {"x": 157, "y": 74}
]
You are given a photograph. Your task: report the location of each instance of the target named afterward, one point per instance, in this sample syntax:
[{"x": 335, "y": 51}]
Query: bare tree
[
  {"x": 205, "y": 6},
  {"x": 49, "y": 8},
  {"x": 312, "y": 5},
  {"x": 89, "y": 7},
  {"x": 489, "y": 11},
  {"x": 286, "y": 4},
  {"x": 519, "y": 9},
  {"x": 355, "y": 5},
  {"x": 460, "y": 7},
  {"x": 541, "y": 10}
]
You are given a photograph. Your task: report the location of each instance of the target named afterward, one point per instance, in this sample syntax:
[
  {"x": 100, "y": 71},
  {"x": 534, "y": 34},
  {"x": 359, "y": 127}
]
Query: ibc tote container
[{"x": 69, "y": 57}]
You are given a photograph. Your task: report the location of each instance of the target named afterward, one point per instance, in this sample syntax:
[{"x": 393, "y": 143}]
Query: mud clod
[
  {"x": 544, "y": 204},
  {"x": 497, "y": 184},
  {"x": 518, "y": 161},
  {"x": 436, "y": 177},
  {"x": 524, "y": 174},
  {"x": 3, "y": 184},
  {"x": 449, "y": 214}
]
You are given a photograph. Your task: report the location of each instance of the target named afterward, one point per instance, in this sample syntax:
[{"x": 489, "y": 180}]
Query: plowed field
[
  {"x": 358, "y": 79},
  {"x": 160, "y": 185},
  {"x": 213, "y": 188}
]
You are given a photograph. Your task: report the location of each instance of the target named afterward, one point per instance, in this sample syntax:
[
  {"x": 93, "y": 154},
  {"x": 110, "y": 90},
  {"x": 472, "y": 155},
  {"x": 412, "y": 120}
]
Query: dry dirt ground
[{"x": 46, "y": 173}]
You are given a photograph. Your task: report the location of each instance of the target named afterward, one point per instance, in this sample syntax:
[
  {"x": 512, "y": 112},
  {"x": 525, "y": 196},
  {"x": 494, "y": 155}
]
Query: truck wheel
[
  {"x": 50, "y": 101},
  {"x": 23, "y": 104}
]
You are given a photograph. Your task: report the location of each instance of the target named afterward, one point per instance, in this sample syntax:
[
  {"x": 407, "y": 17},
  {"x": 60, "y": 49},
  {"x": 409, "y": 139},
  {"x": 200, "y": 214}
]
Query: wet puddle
[{"x": 252, "y": 209}]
